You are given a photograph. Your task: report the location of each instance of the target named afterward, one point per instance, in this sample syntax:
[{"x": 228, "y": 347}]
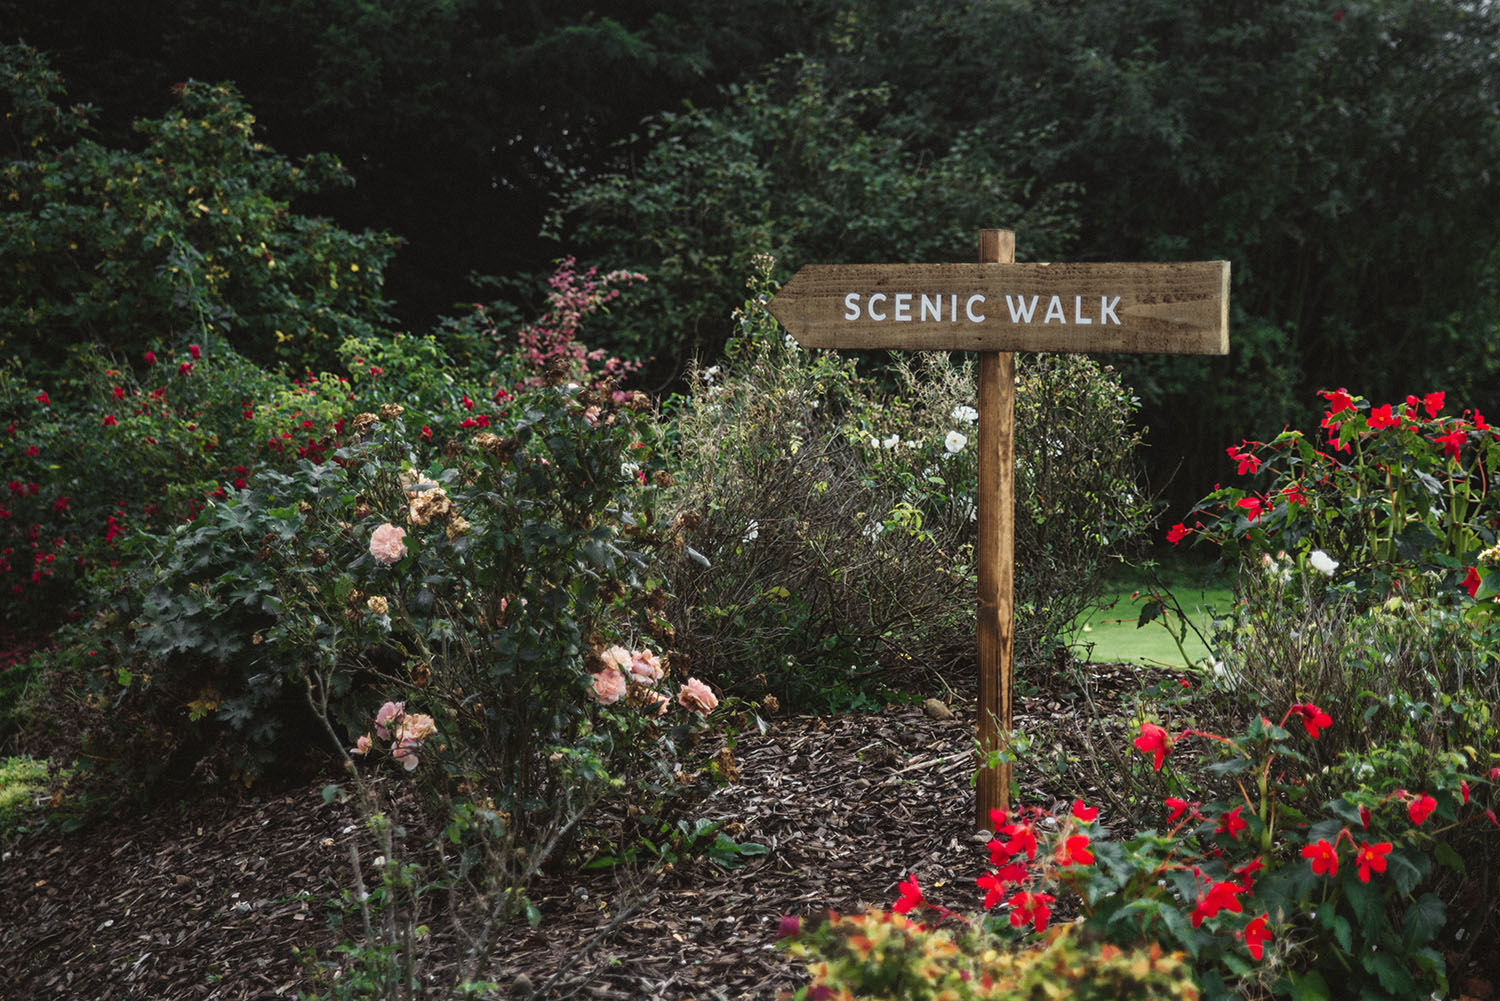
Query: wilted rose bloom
[
  {"x": 377, "y": 604},
  {"x": 386, "y": 543},
  {"x": 427, "y": 502},
  {"x": 645, "y": 667},
  {"x": 386, "y": 715},
  {"x": 457, "y": 526},
  {"x": 362, "y": 745},
  {"x": 609, "y": 686},
  {"x": 698, "y": 697},
  {"x": 416, "y": 726}
]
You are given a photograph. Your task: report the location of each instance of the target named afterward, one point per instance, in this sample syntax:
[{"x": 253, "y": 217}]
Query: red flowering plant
[
  {"x": 1377, "y": 490},
  {"x": 1263, "y": 891}
]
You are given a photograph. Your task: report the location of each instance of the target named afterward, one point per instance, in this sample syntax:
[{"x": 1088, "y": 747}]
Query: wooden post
[{"x": 995, "y": 550}]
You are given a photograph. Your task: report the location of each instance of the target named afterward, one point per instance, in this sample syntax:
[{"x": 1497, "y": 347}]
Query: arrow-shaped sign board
[{"x": 1171, "y": 308}]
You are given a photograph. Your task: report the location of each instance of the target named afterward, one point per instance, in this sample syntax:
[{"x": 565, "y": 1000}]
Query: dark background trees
[{"x": 1342, "y": 158}]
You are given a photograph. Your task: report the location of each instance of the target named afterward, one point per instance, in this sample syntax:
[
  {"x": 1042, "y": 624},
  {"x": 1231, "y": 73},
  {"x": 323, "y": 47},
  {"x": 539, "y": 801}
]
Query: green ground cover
[{"x": 1112, "y": 633}]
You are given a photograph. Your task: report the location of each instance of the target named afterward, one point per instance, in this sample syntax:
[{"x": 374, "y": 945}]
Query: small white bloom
[
  {"x": 710, "y": 372},
  {"x": 752, "y": 531},
  {"x": 1322, "y": 562},
  {"x": 955, "y": 442},
  {"x": 963, "y": 413},
  {"x": 891, "y": 442}
]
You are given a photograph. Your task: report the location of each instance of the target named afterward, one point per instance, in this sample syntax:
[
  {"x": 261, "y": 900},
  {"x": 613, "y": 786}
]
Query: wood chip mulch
[{"x": 213, "y": 900}]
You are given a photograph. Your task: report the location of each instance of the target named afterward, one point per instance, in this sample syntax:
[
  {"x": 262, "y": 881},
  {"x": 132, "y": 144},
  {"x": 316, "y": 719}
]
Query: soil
[{"x": 226, "y": 897}]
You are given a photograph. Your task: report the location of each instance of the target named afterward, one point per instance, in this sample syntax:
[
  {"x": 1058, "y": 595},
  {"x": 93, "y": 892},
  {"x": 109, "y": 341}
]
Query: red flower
[
  {"x": 43, "y": 399},
  {"x": 1421, "y": 808},
  {"x": 1231, "y": 823},
  {"x": 1247, "y": 872},
  {"x": 426, "y": 433},
  {"x": 1155, "y": 742},
  {"x": 1177, "y": 533},
  {"x": 1381, "y": 418},
  {"x": 1324, "y": 858},
  {"x": 1220, "y": 897},
  {"x": 994, "y": 883},
  {"x": 1371, "y": 857},
  {"x": 111, "y": 530},
  {"x": 195, "y": 351},
  {"x": 1032, "y": 908},
  {"x": 1313, "y": 718},
  {"x": 1364, "y": 816},
  {"x": 32, "y": 451},
  {"x": 1470, "y": 582},
  {"x": 1338, "y": 400},
  {"x": 1254, "y": 507},
  {"x": 1177, "y": 806},
  {"x": 1256, "y": 932},
  {"x": 1087, "y": 814},
  {"x": 911, "y": 895},
  {"x": 1022, "y": 839},
  {"x": 150, "y": 357},
  {"x": 119, "y": 392},
  {"x": 468, "y": 403},
  {"x": 1076, "y": 851},
  {"x": 1294, "y": 494},
  {"x": 109, "y": 420},
  {"x": 184, "y": 368},
  {"x": 1249, "y": 463},
  {"x": 1433, "y": 402},
  {"x": 1452, "y": 442},
  {"x": 1463, "y": 788}
]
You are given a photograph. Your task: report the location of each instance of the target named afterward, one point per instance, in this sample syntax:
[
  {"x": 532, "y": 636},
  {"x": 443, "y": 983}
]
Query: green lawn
[{"x": 1113, "y": 632}]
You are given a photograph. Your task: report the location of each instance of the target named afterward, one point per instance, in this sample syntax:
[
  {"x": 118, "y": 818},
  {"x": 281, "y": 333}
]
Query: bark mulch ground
[{"x": 213, "y": 900}]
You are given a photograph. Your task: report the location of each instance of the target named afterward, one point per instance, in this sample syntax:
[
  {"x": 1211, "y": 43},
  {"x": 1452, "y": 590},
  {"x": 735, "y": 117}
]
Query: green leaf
[
  {"x": 1392, "y": 977},
  {"x": 1309, "y": 986},
  {"x": 1150, "y": 611},
  {"x": 1445, "y": 855},
  {"x": 1422, "y": 921}
]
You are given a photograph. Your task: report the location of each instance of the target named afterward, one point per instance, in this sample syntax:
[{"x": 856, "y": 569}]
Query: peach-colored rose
[
  {"x": 362, "y": 745},
  {"x": 609, "y": 686},
  {"x": 416, "y": 726},
  {"x": 654, "y": 703},
  {"x": 645, "y": 667},
  {"x": 617, "y": 657},
  {"x": 698, "y": 697},
  {"x": 386, "y": 543}
]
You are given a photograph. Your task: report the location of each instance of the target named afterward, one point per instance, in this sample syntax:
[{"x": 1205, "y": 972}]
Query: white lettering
[
  {"x": 1055, "y": 307},
  {"x": 969, "y": 309},
  {"x": 1020, "y": 310},
  {"x": 931, "y": 304},
  {"x": 851, "y": 306},
  {"x": 953, "y": 308},
  {"x": 1078, "y": 316},
  {"x": 877, "y": 317},
  {"x": 903, "y": 307},
  {"x": 1107, "y": 309}
]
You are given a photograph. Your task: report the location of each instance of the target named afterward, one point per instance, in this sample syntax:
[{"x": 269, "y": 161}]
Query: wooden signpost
[{"x": 997, "y": 307}]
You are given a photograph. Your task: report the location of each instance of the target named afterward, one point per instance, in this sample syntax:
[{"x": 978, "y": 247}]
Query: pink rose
[
  {"x": 387, "y": 714},
  {"x": 645, "y": 667},
  {"x": 609, "y": 686},
  {"x": 362, "y": 745},
  {"x": 406, "y": 753},
  {"x": 386, "y": 543},
  {"x": 698, "y": 697}
]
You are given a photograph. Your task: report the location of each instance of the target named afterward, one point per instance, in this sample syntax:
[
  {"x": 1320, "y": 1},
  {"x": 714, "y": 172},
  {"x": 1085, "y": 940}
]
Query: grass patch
[{"x": 1111, "y": 633}]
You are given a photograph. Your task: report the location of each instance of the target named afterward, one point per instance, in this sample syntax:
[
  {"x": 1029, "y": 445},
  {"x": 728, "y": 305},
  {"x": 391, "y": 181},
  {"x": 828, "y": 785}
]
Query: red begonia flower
[
  {"x": 1177, "y": 533},
  {"x": 1087, "y": 814},
  {"x": 1256, "y": 936},
  {"x": 1254, "y": 507},
  {"x": 1452, "y": 442},
  {"x": 911, "y": 895},
  {"x": 1075, "y": 851},
  {"x": 1381, "y": 418},
  {"x": 1231, "y": 823},
  {"x": 1314, "y": 719},
  {"x": 1433, "y": 402},
  {"x": 1177, "y": 806},
  {"x": 1155, "y": 742},
  {"x": 1421, "y": 808},
  {"x": 1031, "y": 908},
  {"x": 1371, "y": 857},
  {"x": 1338, "y": 400},
  {"x": 1220, "y": 897},
  {"x": 1471, "y": 582},
  {"x": 1324, "y": 858}
]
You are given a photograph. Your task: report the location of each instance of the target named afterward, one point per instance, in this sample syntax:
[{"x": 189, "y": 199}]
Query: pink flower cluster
[
  {"x": 406, "y": 732},
  {"x": 636, "y": 673}
]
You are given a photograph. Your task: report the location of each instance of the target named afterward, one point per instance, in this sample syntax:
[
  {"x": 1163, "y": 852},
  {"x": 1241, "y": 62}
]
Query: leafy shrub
[
  {"x": 886, "y": 957},
  {"x": 192, "y": 232},
  {"x": 832, "y": 520}
]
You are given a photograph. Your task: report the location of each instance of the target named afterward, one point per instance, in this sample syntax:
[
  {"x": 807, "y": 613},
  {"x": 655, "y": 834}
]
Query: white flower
[
  {"x": 752, "y": 531},
  {"x": 963, "y": 413},
  {"x": 955, "y": 442},
  {"x": 710, "y": 372},
  {"x": 891, "y": 442},
  {"x": 1322, "y": 562}
]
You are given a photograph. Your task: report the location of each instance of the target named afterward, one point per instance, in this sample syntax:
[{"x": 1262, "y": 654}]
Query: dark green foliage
[
  {"x": 190, "y": 233},
  {"x": 803, "y": 169}
]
